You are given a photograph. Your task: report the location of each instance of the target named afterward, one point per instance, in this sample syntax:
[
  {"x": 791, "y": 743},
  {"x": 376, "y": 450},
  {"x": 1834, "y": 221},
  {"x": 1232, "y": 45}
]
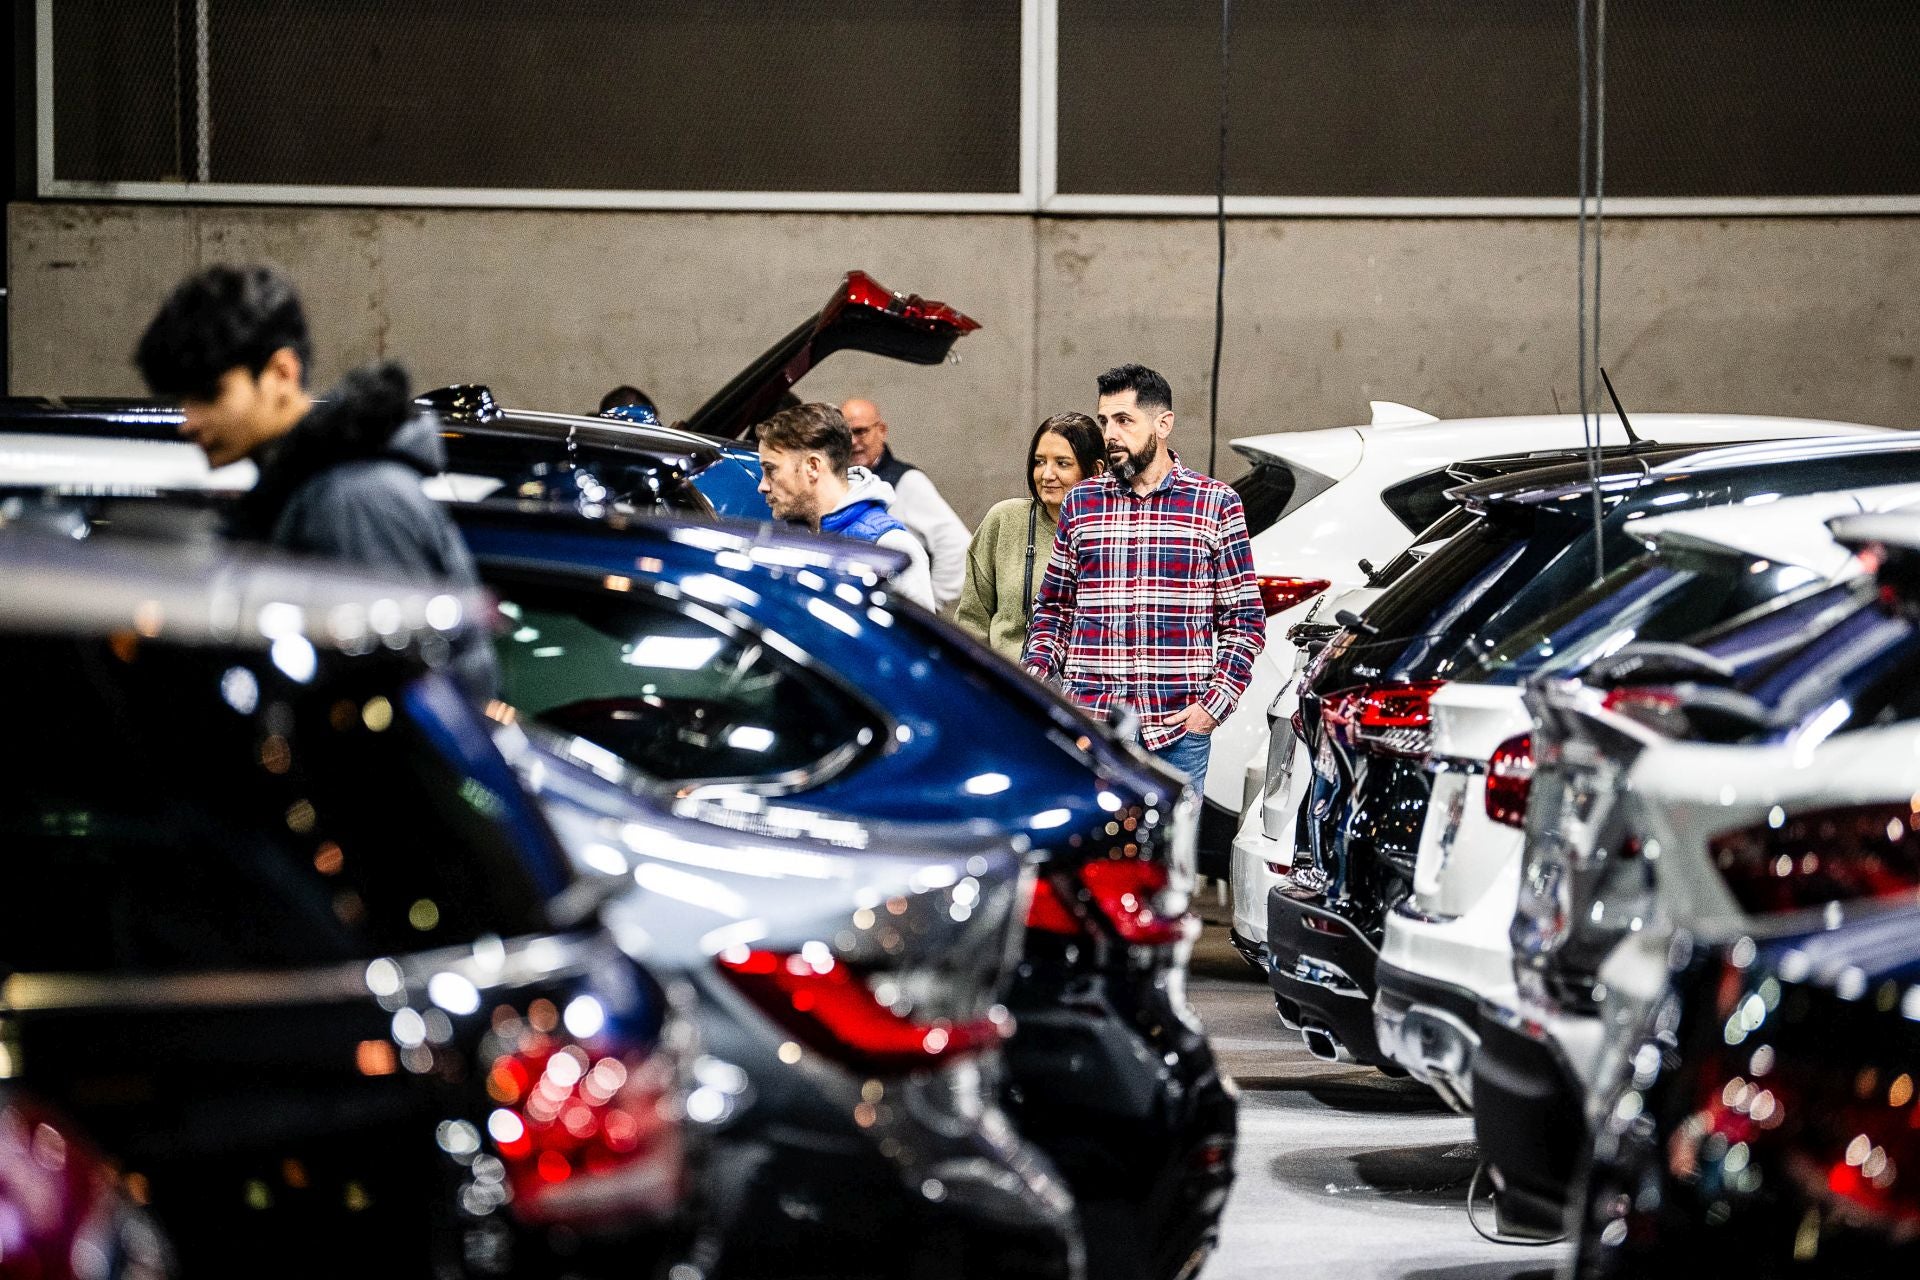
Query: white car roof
[
  {"x": 1788, "y": 530},
  {"x": 1334, "y": 452}
]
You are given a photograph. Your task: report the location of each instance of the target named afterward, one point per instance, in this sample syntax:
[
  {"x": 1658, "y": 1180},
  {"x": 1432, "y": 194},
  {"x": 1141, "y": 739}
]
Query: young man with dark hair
[
  {"x": 339, "y": 477},
  {"x": 806, "y": 479},
  {"x": 1149, "y": 598}
]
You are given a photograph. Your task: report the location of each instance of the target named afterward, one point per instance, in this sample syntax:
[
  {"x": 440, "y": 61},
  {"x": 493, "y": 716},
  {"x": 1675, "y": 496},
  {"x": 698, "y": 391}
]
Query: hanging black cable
[
  {"x": 1220, "y": 221},
  {"x": 1592, "y": 145},
  {"x": 1599, "y": 242}
]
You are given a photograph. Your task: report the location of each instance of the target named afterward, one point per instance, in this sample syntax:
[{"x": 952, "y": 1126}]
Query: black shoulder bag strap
[{"x": 1026, "y": 581}]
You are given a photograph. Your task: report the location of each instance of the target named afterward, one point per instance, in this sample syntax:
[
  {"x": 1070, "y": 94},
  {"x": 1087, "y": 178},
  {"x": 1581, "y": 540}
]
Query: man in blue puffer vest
[{"x": 806, "y": 479}]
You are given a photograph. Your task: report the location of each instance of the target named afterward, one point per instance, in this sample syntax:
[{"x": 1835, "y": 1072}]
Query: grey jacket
[{"x": 345, "y": 484}]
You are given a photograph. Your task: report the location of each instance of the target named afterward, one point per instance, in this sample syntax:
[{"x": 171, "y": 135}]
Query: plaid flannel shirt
[{"x": 1149, "y": 599}]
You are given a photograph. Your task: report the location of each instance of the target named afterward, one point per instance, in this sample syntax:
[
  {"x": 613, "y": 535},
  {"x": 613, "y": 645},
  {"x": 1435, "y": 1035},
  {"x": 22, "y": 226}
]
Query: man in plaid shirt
[{"x": 1149, "y": 597}]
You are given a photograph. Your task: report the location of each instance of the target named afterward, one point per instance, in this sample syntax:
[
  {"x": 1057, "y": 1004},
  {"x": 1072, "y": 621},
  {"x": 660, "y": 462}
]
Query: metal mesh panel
[
  {"x": 119, "y": 101},
  {"x": 727, "y": 95},
  {"x": 1443, "y": 98}
]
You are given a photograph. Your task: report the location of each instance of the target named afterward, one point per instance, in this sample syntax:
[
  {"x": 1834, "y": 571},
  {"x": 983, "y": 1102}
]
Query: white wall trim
[
  {"x": 523, "y": 198},
  {"x": 1034, "y": 126},
  {"x": 43, "y": 89},
  {"x": 1048, "y": 57},
  {"x": 1478, "y": 206}
]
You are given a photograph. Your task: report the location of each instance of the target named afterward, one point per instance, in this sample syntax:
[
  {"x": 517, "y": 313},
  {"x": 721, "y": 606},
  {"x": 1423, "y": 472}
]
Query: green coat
[{"x": 990, "y": 602}]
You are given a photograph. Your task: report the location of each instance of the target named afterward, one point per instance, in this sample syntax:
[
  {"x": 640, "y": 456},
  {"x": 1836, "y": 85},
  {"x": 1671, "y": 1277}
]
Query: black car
[
  {"x": 284, "y": 936},
  {"x": 700, "y": 468},
  {"x": 1108, "y": 1073},
  {"x": 1364, "y": 703}
]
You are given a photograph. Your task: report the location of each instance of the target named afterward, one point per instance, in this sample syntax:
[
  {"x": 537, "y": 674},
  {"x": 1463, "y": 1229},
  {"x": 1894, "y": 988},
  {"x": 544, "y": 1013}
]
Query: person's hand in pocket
[{"x": 1197, "y": 719}]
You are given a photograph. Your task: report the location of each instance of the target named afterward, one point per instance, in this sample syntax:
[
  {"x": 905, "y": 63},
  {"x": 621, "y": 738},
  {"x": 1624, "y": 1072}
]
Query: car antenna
[
  {"x": 1555, "y": 393},
  {"x": 1614, "y": 396}
]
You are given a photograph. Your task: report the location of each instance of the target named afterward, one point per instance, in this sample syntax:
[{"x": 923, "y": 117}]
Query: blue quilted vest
[{"x": 866, "y": 520}]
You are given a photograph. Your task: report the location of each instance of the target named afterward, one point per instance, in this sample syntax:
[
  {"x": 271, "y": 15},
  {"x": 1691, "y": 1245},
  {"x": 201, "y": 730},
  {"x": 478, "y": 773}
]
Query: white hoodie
[{"x": 915, "y": 582}]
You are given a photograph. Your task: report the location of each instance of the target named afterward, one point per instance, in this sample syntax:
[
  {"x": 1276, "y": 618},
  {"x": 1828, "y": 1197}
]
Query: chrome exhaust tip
[{"x": 1323, "y": 1044}]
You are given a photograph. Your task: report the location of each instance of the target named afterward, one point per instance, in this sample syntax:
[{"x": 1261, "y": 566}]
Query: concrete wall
[{"x": 1803, "y": 316}]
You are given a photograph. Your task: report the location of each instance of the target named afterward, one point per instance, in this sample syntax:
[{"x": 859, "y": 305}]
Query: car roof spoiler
[{"x": 862, "y": 315}]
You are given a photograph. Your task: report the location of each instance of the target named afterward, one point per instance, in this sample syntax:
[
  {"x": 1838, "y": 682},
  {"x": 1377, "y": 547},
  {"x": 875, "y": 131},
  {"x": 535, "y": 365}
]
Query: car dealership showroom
[{"x": 1365, "y": 726}]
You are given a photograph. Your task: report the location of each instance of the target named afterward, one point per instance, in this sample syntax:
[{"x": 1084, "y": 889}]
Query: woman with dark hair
[{"x": 1010, "y": 549}]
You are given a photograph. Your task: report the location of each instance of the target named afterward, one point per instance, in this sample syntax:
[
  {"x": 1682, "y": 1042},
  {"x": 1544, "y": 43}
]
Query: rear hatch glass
[{"x": 186, "y": 809}]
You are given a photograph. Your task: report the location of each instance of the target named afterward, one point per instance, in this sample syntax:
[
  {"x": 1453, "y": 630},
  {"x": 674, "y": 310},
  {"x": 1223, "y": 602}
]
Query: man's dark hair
[
  {"x": 1150, "y": 390},
  {"x": 219, "y": 319},
  {"x": 811, "y": 426},
  {"x": 623, "y": 396}
]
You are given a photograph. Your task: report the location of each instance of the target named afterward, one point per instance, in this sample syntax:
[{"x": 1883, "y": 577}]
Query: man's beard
[{"x": 1128, "y": 466}]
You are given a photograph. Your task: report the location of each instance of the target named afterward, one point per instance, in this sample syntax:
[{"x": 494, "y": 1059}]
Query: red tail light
[
  {"x": 1828, "y": 855},
  {"x": 1394, "y": 719},
  {"x": 1125, "y": 890},
  {"x": 828, "y": 1006},
  {"x": 1841, "y": 1123},
  {"x": 864, "y": 291},
  {"x": 1282, "y": 594},
  {"x": 584, "y": 1134},
  {"x": 1656, "y": 707},
  {"x": 1048, "y": 914},
  {"x": 1509, "y": 779}
]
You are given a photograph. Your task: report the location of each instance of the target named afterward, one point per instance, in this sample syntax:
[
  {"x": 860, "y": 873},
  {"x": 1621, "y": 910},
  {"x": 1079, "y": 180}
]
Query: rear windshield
[
  {"x": 1654, "y": 597},
  {"x": 181, "y": 809},
  {"x": 1421, "y": 500},
  {"x": 1863, "y": 670},
  {"x": 1448, "y": 591},
  {"x": 1272, "y": 490},
  {"x": 672, "y": 693}
]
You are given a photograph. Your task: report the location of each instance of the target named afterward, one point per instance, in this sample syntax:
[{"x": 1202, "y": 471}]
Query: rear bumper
[
  {"x": 1321, "y": 969},
  {"x": 1530, "y": 1121},
  {"x": 1431, "y": 1028},
  {"x": 1143, "y": 1127},
  {"x": 1254, "y": 953},
  {"x": 1253, "y": 851}
]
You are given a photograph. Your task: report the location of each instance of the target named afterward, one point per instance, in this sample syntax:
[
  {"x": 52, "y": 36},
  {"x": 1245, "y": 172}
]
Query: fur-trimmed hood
[{"x": 369, "y": 415}]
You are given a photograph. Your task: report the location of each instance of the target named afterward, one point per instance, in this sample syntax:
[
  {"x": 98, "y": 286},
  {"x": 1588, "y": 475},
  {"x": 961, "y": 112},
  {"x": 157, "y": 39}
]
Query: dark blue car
[{"x": 746, "y": 666}]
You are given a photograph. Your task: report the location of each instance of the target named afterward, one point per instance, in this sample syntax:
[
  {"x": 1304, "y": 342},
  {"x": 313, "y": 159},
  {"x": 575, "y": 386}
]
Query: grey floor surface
[{"x": 1343, "y": 1174}]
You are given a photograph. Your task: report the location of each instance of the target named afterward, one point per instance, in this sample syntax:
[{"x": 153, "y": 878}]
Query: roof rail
[{"x": 1809, "y": 447}]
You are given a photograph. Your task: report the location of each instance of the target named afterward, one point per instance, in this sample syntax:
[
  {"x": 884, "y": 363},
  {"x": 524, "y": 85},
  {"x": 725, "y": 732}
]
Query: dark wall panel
[
  {"x": 117, "y": 98},
  {"x": 1478, "y": 97},
  {"x": 733, "y": 95}
]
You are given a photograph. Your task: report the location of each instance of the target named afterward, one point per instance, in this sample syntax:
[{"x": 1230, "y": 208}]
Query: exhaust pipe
[{"x": 1323, "y": 1044}]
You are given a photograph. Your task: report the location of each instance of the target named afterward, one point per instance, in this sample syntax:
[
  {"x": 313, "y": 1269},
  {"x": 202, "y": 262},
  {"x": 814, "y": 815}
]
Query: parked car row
[
  {"x": 1605, "y": 831},
  {"x": 724, "y": 943}
]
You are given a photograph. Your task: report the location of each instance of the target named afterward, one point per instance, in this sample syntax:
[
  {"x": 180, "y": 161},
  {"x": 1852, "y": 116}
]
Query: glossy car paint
[
  {"x": 824, "y": 1164},
  {"x": 1764, "y": 1115},
  {"x": 290, "y": 1059},
  {"x": 1108, "y": 1073},
  {"x": 1451, "y": 932},
  {"x": 1529, "y": 555},
  {"x": 1336, "y": 516}
]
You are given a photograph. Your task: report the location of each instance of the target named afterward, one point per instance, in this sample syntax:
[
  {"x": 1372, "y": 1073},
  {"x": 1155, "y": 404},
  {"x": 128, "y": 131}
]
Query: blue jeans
[{"x": 1188, "y": 753}]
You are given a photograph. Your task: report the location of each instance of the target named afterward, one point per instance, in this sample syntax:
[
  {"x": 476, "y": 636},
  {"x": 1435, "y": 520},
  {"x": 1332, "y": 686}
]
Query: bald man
[{"x": 916, "y": 503}]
